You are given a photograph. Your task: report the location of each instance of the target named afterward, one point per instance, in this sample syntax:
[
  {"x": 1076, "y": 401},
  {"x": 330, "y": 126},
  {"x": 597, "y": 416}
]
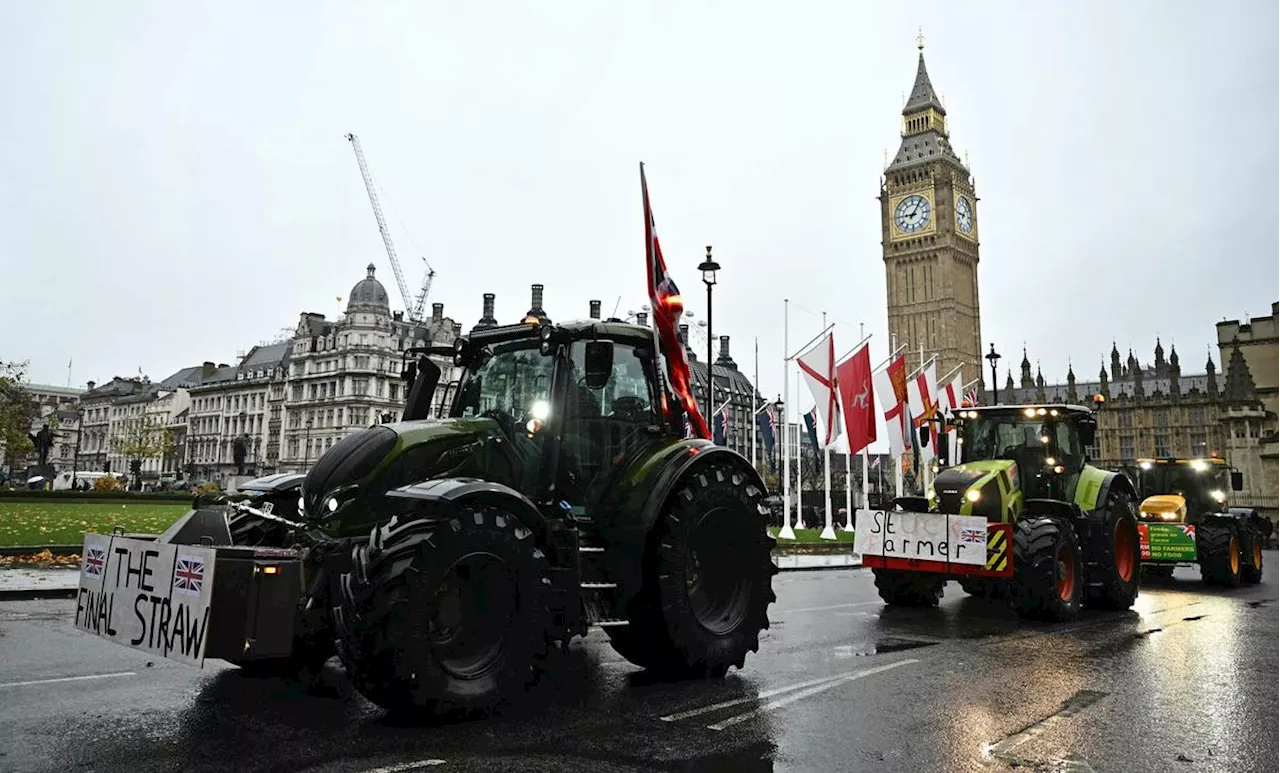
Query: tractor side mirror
[
  {"x": 1237, "y": 480},
  {"x": 599, "y": 363},
  {"x": 1088, "y": 431}
]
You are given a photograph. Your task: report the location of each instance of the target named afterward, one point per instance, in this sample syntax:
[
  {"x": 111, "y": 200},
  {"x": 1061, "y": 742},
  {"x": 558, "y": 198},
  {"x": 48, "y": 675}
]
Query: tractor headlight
[
  {"x": 1169, "y": 516},
  {"x": 302, "y": 504},
  {"x": 1218, "y": 495},
  {"x": 333, "y": 504},
  {"x": 973, "y": 495}
]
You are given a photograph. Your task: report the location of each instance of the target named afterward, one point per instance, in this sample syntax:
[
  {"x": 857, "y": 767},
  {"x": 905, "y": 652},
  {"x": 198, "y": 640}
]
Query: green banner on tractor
[{"x": 1167, "y": 541}]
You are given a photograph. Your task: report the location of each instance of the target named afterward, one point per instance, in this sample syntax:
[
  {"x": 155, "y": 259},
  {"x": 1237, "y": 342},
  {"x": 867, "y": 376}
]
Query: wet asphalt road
[{"x": 1187, "y": 681}]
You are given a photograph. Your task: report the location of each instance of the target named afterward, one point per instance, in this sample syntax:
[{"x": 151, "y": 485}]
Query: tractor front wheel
[
  {"x": 1112, "y": 564},
  {"x": 708, "y": 580},
  {"x": 1048, "y": 577},
  {"x": 1219, "y": 554},
  {"x": 908, "y": 589},
  {"x": 1251, "y": 564},
  {"x": 446, "y": 614}
]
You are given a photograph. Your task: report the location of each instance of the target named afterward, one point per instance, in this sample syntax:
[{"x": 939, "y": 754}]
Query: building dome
[{"x": 368, "y": 293}]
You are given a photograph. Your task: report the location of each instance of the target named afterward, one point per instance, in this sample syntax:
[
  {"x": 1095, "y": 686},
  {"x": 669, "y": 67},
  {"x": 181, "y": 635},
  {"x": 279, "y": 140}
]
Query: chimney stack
[
  {"x": 535, "y": 306},
  {"x": 457, "y": 330},
  {"x": 724, "y": 359},
  {"x": 488, "y": 319},
  {"x": 642, "y": 319},
  {"x": 437, "y": 312},
  {"x": 595, "y": 309},
  {"x": 684, "y": 339},
  {"x": 90, "y": 384},
  {"x": 206, "y": 369}
]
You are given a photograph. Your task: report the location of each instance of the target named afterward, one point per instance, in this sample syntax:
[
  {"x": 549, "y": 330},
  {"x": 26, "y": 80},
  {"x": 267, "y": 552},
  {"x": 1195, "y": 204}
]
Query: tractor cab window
[
  {"x": 604, "y": 427},
  {"x": 511, "y": 384},
  {"x": 1026, "y": 441}
]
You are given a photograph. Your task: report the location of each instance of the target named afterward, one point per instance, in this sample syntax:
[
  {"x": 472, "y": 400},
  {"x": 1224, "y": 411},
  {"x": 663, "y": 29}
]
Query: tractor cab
[
  {"x": 1182, "y": 490},
  {"x": 1042, "y": 447}
]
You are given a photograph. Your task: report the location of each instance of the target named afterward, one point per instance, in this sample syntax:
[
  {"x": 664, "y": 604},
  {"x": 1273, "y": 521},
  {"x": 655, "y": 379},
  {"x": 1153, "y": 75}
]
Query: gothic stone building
[
  {"x": 929, "y": 237},
  {"x": 1156, "y": 410}
]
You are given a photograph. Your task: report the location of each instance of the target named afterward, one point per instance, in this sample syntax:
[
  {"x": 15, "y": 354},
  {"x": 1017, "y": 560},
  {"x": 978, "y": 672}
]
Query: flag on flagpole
[
  {"x": 811, "y": 426},
  {"x": 853, "y": 378},
  {"x": 970, "y": 399},
  {"x": 720, "y": 424},
  {"x": 922, "y": 398},
  {"x": 765, "y": 420},
  {"x": 953, "y": 399},
  {"x": 818, "y": 366},
  {"x": 667, "y": 308},
  {"x": 891, "y": 391}
]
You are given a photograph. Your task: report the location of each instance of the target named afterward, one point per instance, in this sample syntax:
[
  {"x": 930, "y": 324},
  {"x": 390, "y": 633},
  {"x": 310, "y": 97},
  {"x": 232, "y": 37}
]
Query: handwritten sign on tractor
[
  {"x": 147, "y": 595},
  {"x": 959, "y": 539}
]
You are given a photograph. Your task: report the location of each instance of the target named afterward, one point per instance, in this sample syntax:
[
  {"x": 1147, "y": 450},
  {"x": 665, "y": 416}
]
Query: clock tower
[{"x": 929, "y": 235}]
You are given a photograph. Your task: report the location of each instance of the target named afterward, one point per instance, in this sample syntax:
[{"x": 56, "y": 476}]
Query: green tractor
[
  {"x": 449, "y": 558},
  {"x": 1185, "y": 519},
  {"x": 1022, "y": 517}
]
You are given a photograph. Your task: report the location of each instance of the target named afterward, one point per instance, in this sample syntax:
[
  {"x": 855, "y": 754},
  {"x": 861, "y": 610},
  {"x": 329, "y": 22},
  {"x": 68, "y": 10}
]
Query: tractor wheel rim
[
  {"x": 717, "y": 571},
  {"x": 1234, "y": 550},
  {"x": 1066, "y": 574},
  {"x": 475, "y": 604},
  {"x": 1123, "y": 542}
]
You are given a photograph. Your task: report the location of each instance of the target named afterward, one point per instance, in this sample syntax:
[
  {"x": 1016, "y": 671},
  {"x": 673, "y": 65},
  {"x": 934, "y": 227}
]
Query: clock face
[
  {"x": 912, "y": 214},
  {"x": 964, "y": 215}
]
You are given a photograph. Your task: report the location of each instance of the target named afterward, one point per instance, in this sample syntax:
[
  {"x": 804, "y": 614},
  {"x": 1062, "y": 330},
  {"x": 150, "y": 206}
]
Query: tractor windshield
[
  {"x": 1203, "y": 485},
  {"x": 1035, "y": 443},
  {"x": 510, "y": 382}
]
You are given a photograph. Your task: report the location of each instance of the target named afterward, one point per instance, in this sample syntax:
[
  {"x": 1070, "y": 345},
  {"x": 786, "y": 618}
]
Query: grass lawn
[
  {"x": 814, "y": 535},
  {"x": 64, "y": 523}
]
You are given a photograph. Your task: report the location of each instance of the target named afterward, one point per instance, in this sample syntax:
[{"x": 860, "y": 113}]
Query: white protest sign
[
  {"x": 147, "y": 595},
  {"x": 958, "y": 539}
]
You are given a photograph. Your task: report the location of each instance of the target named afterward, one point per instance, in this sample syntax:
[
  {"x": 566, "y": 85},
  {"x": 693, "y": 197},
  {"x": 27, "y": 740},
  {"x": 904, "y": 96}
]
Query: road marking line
[
  {"x": 1074, "y": 705},
  {"x": 770, "y": 706},
  {"x": 397, "y": 768},
  {"x": 823, "y": 609},
  {"x": 778, "y": 691},
  {"x": 69, "y": 679}
]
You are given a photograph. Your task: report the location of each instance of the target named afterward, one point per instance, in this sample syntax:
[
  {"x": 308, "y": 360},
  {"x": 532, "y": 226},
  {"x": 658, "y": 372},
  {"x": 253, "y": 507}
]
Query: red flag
[
  {"x": 667, "y": 308},
  {"x": 853, "y": 377}
]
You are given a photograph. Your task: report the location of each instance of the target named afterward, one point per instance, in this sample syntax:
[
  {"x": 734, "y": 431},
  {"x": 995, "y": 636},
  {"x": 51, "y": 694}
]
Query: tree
[
  {"x": 17, "y": 410},
  {"x": 140, "y": 439}
]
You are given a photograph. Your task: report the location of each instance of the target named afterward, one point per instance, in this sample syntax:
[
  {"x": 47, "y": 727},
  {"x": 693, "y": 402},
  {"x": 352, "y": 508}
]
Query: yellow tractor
[{"x": 1184, "y": 519}]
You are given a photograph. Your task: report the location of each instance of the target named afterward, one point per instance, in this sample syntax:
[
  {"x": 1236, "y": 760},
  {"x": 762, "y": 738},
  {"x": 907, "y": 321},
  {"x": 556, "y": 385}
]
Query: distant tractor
[
  {"x": 449, "y": 558},
  {"x": 1022, "y": 518},
  {"x": 1185, "y": 520}
]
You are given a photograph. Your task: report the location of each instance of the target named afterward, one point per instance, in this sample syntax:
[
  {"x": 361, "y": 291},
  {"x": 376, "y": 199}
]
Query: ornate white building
[{"x": 345, "y": 375}]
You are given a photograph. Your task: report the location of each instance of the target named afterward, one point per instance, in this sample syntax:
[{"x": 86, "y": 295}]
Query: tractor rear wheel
[
  {"x": 1251, "y": 564},
  {"x": 898, "y": 588},
  {"x": 1048, "y": 577},
  {"x": 446, "y": 614},
  {"x": 1219, "y": 548},
  {"x": 1112, "y": 564},
  {"x": 707, "y": 583}
]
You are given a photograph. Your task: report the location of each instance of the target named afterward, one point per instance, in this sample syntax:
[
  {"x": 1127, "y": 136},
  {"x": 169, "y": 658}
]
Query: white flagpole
[
  {"x": 848, "y": 493},
  {"x": 827, "y": 531},
  {"x": 866, "y": 491},
  {"x": 799, "y": 459},
  {"x": 785, "y": 532}
]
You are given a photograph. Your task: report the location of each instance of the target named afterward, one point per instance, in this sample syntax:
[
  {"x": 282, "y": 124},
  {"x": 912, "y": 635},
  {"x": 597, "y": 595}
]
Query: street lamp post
[
  {"x": 709, "y": 268},
  {"x": 993, "y": 358},
  {"x": 306, "y": 453},
  {"x": 779, "y": 422}
]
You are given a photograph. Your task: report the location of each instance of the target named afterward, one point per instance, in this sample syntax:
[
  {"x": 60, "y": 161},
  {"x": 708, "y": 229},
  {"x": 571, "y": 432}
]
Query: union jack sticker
[
  {"x": 188, "y": 575},
  {"x": 95, "y": 558},
  {"x": 974, "y": 536},
  {"x": 1188, "y": 529}
]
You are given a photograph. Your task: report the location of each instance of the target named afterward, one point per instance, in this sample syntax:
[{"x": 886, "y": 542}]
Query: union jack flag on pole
[{"x": 667, "y": 308}]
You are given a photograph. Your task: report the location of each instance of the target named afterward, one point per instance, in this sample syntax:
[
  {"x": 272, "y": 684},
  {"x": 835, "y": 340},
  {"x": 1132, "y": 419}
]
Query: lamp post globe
[
  {"x": 709, "y": 268},
  {"x": 993, "y": 357}
]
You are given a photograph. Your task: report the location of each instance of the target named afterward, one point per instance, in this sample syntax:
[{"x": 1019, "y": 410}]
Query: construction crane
[{"x": 414, "y": 307}]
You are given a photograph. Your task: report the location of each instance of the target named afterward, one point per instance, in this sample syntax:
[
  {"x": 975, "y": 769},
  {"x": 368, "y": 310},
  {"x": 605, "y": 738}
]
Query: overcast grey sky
[{"x": 175, "y": 186}]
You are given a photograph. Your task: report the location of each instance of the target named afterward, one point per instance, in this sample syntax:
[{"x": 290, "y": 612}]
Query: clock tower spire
[{"x": 929, "y": 237}]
